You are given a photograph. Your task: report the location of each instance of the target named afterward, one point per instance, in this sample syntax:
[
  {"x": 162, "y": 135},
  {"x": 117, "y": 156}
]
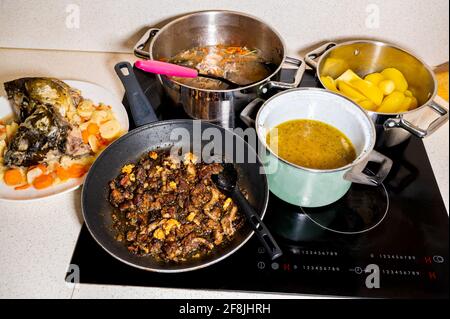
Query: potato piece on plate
[
  {"x": 100, "y": 116},
  {"x": 85, "y": 109},
  {"x": 110, "y": 129},
  {"x": 93, "y": 143}
]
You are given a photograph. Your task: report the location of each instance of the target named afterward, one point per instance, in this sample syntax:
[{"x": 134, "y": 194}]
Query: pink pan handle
[{"x": 165, "y": 68}]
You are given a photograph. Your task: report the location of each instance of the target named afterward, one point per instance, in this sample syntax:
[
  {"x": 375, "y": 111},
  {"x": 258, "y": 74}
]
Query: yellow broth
[{"x": 311, "y": 144}]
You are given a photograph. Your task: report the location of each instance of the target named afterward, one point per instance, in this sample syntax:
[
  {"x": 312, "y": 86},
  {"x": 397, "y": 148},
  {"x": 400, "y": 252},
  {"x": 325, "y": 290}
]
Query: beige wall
[{"x": 114, "y": 25}]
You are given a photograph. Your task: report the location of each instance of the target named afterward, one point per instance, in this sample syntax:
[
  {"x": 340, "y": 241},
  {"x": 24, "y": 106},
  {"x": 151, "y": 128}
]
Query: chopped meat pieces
[{"x": 170, "y": 209}]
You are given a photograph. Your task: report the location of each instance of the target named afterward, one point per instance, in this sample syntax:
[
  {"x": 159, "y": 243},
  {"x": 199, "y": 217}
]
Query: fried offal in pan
[{"x": 171, "y": 209}]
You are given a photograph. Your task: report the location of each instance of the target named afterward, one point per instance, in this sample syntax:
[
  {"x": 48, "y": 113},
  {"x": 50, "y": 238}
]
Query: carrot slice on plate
[
  {"x": 62, "y": 173},
  {"x": 85, "y": 136},
  {"x": 77, "y": 170},
  {"x": 92, "y": 129},
  {"x": 14, "y": 177},
  {"x": 25, "y": 186},
  {"x": 43, "y": 181}
]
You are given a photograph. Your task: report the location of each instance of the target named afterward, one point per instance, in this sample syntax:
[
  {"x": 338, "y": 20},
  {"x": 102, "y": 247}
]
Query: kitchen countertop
[{"x": 38, "y": 238}]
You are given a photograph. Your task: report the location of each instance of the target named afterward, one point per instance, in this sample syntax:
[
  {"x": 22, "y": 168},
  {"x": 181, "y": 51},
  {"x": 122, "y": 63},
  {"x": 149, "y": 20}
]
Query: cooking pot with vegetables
[
  {"x": 409, "y": 74},
  {"x": 221, "y": 29}
]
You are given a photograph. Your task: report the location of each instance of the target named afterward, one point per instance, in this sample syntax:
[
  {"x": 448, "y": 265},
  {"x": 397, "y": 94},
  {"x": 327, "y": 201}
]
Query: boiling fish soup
[{"x": 236, "y": 63}]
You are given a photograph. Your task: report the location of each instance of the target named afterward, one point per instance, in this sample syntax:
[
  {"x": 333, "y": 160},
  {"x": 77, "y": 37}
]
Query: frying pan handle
[
  {"x": 271, "y": 246},
  {"x": 141, "y": 109}
]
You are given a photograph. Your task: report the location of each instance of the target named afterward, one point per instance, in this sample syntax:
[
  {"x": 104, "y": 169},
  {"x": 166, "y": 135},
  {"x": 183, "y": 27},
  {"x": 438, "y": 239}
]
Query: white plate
[{"x": 89, "y": 91}]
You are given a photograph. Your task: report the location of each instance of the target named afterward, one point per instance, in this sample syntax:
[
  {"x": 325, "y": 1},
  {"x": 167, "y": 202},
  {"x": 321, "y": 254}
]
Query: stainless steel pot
[
  {"x": 211, "y": 28},
  {"x": 364, "y": 57}
]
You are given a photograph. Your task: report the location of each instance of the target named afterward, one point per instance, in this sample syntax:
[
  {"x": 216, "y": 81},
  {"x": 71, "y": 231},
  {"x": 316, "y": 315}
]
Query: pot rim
[
  {"x": 385, "y": 44},
  {"x": 263, "y": 81},
  {"x": 364, "y": 154}
]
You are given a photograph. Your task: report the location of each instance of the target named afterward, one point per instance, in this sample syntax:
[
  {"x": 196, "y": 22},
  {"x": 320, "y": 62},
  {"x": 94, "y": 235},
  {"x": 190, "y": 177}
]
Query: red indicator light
[{"x": 431, "y": 275}]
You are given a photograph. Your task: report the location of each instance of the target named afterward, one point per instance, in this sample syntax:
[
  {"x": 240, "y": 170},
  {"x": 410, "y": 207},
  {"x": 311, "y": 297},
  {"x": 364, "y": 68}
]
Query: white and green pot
[{"x": 316, "y": 187}]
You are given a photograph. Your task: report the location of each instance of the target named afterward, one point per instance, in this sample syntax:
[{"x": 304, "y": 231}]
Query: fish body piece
[
  {"x": 43, "y": 107},
  {"x": 26, "y": 93},
  {"x": 42, "y": 132}
]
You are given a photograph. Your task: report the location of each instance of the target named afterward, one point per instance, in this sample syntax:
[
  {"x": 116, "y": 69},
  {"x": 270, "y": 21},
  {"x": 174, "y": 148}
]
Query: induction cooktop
[{"x": 390, "y": 241}]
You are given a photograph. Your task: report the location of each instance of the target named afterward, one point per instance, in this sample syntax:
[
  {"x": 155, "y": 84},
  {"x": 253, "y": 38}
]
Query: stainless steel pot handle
[
  {"x": 417, "y": 131},
  {"x": 140, "y": 45},
  {"x": 314, "y": 54},
  {"x": 357, "y": 175},
  {"x": 248, "y": 110},
  {"x": 299, "y": 64}
]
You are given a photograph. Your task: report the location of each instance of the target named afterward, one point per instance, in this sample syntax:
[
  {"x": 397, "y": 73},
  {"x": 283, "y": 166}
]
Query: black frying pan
[{"x": 151, "y": 135}]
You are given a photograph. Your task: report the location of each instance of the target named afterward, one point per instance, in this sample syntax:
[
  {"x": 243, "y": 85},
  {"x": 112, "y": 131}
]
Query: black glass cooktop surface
[{"x": 390, "y": 241}]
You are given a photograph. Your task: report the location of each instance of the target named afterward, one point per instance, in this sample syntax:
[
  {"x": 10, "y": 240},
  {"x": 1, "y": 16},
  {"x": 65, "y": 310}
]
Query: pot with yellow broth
[
  {"x": 317, "y": 144},
  {"x": 311, "y": 144}
]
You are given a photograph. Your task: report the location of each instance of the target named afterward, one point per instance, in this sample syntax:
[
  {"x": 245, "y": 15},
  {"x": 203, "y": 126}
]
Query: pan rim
[{"x": 178, "y": 270}]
